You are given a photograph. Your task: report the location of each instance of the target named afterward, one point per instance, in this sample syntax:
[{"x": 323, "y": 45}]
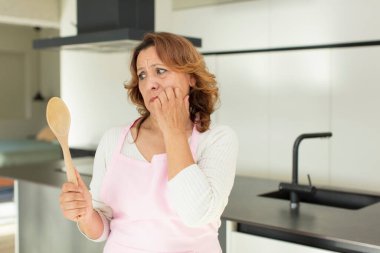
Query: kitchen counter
[
  {"x": 332, "y": 228},
  {"x": 47, "y": 173},
  {"x": 41, "y": 227}
]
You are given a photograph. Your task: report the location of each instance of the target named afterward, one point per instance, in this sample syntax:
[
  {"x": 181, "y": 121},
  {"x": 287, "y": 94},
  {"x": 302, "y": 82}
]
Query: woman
[{"x": 161, "y": 183}]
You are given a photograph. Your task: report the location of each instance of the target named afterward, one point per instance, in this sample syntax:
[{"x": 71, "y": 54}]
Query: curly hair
[{"x": 180, "y": 55}]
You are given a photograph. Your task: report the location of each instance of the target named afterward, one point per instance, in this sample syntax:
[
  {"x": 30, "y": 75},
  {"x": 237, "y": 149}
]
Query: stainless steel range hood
[{"x": 108, "y": 25}]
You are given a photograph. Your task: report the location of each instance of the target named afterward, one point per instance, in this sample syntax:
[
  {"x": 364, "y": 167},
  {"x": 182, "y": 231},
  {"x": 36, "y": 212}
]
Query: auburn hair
[{"x": 181, "y": 56}]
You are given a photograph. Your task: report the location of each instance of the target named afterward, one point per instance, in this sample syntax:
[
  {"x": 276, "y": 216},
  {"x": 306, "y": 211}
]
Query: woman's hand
[
  {"x": 76, "y": 201},
  {"x": 171, "y": 109}
]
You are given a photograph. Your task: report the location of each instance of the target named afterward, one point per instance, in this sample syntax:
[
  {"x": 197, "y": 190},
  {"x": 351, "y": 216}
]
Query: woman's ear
[{"x": 192, "y": 81}]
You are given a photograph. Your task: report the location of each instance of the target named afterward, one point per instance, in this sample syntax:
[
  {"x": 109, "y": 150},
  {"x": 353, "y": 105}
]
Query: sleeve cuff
[{"x": 106, "y": 228}]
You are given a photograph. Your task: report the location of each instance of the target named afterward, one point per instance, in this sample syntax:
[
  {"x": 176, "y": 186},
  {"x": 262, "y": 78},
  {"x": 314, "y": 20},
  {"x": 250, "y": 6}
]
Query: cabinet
[
  {"x": 42, "y": 227},
  {"x": 237, "y": 242}
]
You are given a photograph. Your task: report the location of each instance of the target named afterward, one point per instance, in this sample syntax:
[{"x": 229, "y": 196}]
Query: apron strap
[{"x": 124, "y": 134}]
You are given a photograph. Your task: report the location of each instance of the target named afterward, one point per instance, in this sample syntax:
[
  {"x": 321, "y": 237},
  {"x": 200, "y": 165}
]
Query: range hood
[{"x": 108, "y": 25}]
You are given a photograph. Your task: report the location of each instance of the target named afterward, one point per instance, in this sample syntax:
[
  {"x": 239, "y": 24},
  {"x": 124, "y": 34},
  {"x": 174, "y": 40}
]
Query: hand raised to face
[{"x": 171, "y": 109}]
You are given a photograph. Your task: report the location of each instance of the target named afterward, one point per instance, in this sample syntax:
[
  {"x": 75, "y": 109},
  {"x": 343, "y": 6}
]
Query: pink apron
[{"x": 143, "y": 218}]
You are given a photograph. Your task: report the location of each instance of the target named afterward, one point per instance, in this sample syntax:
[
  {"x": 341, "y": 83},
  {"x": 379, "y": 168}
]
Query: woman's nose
[{"x": 153, "y": 83}]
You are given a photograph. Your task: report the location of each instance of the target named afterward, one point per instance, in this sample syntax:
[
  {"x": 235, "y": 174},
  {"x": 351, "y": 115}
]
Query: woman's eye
[
  {"x": 141, "y": 76},
  {"x": 161, "y": 71}
]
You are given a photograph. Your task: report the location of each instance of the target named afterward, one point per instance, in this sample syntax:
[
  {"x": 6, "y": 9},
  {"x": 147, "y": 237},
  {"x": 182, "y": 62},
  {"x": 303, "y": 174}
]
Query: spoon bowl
[{"x": 58, "y": 118}]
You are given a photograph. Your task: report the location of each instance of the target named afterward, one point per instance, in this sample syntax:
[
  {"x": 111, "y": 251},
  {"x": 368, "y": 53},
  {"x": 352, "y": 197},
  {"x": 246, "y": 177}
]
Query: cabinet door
[
  {"x": 42, "y": 227},
  {"x": 242, "y": 243}
]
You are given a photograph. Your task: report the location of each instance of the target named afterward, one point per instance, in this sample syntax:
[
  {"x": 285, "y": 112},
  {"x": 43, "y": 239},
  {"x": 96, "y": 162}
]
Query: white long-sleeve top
[{"x": 199, "y": 193}]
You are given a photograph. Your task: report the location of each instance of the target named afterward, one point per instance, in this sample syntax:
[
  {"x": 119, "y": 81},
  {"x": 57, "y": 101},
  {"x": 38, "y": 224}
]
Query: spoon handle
[{"x": 70, "y": 173}]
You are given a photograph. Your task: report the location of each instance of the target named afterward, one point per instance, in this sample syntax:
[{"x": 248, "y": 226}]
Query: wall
[
  {"x": 92, "y": 87},
  {"x": 40, "y": 72},
  {"x": 268, "y": 98},
  {"x": 280, "y": 95}
]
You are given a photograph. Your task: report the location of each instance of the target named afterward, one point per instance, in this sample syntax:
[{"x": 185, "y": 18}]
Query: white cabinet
[
  {"x": 42, "y": 227},
  {"x": 243, "y": 243}
]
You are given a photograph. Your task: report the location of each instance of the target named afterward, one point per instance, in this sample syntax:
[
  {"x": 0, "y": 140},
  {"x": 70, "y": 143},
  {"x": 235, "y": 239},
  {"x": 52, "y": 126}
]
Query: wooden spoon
[{"x": 58, "y": 118}]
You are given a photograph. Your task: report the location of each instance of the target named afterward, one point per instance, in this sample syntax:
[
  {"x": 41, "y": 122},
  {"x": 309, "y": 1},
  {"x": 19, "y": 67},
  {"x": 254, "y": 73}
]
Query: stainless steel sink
[{"x": 340, "y": 199}]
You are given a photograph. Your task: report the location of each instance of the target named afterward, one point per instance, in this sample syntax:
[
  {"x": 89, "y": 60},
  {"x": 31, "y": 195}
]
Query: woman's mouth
[{"x": 152, "y": 99}]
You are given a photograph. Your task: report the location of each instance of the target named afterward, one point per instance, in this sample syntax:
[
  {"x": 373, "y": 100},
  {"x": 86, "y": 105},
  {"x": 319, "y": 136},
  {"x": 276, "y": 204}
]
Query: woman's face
[{"x": 154, "y": 76}]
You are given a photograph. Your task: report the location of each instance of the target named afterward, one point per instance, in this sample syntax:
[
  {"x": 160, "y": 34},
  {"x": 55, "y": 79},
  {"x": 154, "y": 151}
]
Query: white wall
[
  {"x": 268, "y": 98},
  {"x": 92, "y": 87},
  {"x": 355, "y": 117}
]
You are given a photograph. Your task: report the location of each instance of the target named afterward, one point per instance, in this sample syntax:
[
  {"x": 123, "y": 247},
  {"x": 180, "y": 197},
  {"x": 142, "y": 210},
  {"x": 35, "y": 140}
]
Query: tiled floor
[{"x": 7, "y": 227}]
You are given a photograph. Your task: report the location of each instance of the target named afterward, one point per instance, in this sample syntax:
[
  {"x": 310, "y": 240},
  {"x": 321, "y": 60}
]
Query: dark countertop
[
  {"x": 338, "y": 229},
  {"x": 332, "y": 228},
  {"x": 47, "y": 173}
]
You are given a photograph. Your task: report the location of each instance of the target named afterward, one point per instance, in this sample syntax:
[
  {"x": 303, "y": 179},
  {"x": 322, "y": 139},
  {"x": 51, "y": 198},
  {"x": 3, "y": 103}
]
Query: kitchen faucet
[{"x": 294, "y": 187}]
